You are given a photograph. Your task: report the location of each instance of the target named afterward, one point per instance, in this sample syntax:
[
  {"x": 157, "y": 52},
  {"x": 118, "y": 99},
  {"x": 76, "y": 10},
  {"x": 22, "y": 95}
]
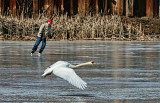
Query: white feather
[
  {"x": 69, "y": 75},
  {"x": 63, "y": 70}
]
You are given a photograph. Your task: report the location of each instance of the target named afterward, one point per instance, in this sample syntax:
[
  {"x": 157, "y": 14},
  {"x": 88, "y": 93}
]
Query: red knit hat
[{"x": 50, "y": 21}]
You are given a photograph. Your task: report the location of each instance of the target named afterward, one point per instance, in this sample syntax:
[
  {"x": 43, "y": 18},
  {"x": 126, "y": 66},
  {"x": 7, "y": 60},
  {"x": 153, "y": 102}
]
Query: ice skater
[{"x": 44, "y": 31}]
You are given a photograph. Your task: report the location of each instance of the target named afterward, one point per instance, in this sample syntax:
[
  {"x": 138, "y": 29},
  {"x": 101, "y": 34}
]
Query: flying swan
[{"x": 64, "y": 70}]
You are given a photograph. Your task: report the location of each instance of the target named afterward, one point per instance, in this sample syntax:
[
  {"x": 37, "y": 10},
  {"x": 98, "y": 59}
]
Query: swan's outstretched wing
[{"x": 69, "y": 75}]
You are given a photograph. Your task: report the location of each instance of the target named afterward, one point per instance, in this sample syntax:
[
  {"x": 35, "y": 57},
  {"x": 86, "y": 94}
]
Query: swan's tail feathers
[
  {"x": 43, "y": 75},
  {"x": 46, "y": 74}
]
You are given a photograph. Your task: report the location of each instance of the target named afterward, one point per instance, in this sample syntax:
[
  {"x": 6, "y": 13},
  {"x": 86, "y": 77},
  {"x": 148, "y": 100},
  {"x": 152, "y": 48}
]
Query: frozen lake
[{"x": 126, "y": 72}]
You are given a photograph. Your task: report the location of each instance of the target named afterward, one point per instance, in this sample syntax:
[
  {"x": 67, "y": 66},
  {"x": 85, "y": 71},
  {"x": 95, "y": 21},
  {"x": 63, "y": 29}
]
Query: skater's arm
[{"x": 40, "y": 31}]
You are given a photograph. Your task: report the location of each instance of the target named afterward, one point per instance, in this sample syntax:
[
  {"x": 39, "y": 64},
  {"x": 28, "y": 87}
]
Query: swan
[{"x": 65, "y": 70}]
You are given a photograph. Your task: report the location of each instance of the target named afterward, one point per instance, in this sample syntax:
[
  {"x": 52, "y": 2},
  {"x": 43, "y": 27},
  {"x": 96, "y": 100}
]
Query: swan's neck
[{"x": 79, "y": 65}]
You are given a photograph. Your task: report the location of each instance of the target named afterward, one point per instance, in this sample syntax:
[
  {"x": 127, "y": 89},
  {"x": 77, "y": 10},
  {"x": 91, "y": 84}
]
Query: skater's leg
[
  {"x": 43, "y": 45},
  {"x": 36, "y": 44}
]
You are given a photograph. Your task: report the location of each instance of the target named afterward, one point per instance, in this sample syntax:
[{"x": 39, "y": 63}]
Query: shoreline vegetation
[{"x": 96, "y": 27}]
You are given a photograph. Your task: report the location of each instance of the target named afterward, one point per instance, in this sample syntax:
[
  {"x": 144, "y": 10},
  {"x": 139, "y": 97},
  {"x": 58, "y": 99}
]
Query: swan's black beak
[{"x": 93, "y": 62}]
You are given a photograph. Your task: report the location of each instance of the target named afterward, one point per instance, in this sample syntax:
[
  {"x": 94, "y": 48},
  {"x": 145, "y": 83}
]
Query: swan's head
[{"x": 91, "y": 62}]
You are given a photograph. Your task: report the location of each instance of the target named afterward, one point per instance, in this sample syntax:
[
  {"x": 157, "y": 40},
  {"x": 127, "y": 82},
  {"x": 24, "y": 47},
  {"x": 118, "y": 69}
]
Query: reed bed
[{"x": 75, "y": 27}]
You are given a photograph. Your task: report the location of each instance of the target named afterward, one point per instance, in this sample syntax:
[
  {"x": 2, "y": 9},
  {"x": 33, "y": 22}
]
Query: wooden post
[
  {"x": 13, "y": 7},
  {"x": 83, "y": 6},
  {"x": 1, "y": 7},
  {"x": 121, "y": 7},
  {"x": 152, "y": 8},
  {"x": 96, "y": 6},
  {"x": 149, "y": 8},
  {"x": 115, "y": 7},
  {"x": 156, "y": 8},
  {"x": 62, "y": 6},
  {"x": 106, "y": 7},
  {"x": 51, "y": 8},
  {"x": 87, "y": 6},
  {"x": 71, "y": 7},
  {"x": 129, "y": 7},
  {"x": 35, "y": 8},
  {"x": 80, "y": 6}
]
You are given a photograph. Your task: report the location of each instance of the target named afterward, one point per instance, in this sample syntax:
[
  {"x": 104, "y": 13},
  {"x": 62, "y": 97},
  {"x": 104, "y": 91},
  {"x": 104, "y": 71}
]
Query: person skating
[{"x": 44, "y": 31}]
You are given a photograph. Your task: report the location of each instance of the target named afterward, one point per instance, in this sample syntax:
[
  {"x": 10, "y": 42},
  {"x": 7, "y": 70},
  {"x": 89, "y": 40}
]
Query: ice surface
[{"x": 124, "y": 72}]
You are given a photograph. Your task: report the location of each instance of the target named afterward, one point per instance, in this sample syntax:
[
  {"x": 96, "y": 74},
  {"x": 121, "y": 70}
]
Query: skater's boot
[
  {"x": 40, "y": 51},
  {"x": 32, "y": 52}
]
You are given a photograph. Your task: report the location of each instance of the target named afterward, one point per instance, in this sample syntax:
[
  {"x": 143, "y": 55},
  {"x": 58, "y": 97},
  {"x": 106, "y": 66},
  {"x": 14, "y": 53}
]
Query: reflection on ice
[{"x": 124, "y": 71}]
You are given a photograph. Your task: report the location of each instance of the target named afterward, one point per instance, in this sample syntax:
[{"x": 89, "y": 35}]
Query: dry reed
[{"x": 72, "y": 28}]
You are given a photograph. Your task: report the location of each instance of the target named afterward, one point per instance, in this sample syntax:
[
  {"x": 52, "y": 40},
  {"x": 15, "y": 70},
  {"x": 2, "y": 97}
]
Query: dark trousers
[{"x": 37, "y": 43}]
